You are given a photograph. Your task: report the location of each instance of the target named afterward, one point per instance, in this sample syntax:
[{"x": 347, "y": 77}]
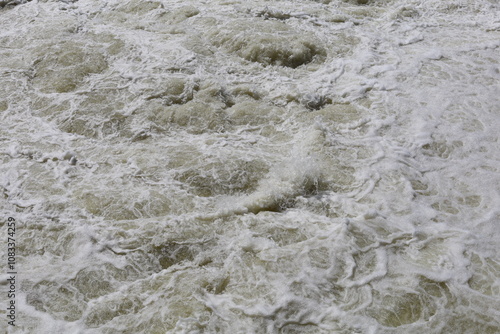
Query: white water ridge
[{"x": 226, "y": 166}]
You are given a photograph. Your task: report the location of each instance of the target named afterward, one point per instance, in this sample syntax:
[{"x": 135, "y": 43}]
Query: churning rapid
[{"x": 227, "y": 166}]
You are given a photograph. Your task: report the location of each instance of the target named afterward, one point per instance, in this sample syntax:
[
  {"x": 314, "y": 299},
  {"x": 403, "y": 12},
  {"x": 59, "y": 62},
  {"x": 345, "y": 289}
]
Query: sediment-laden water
[{"x": 252, "y": 167}]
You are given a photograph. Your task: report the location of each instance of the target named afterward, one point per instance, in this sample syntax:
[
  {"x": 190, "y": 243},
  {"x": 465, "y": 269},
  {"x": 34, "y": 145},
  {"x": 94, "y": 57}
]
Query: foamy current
[{"x": 251, "y": 167}]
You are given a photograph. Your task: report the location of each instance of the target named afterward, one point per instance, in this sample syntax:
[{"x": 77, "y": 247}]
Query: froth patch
[
  {"x": 97, "y": 114},
  {"x": 139, "y": 7},
  {"x": 253, "y": 112},
  {"x": 268, "y": 43},
  {"x": 397, "y": 308},
  {"x": 64, "y": 66},
  {"x": 150, "y": 15},
  {"x": 209, "y": 175},
  {"x": 283, "y": 185},
  {"x": 208, "y": 107},
  {"x": 172, "y": 90}
]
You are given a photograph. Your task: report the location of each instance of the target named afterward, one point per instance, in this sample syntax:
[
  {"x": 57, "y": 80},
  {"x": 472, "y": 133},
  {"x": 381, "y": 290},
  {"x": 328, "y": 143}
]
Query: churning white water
[{"x": 226, "y": 166}]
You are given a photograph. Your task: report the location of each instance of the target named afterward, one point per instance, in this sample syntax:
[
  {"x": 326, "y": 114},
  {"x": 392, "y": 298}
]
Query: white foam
[{"x": 315, "y": 166}]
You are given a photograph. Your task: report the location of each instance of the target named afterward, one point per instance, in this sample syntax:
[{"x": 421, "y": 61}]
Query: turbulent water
[{"x": 251, "y": 167}]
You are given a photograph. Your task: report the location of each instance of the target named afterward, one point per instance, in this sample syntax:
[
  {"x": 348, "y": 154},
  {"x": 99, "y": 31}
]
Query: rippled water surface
[{"x": 252, "y": 167}]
